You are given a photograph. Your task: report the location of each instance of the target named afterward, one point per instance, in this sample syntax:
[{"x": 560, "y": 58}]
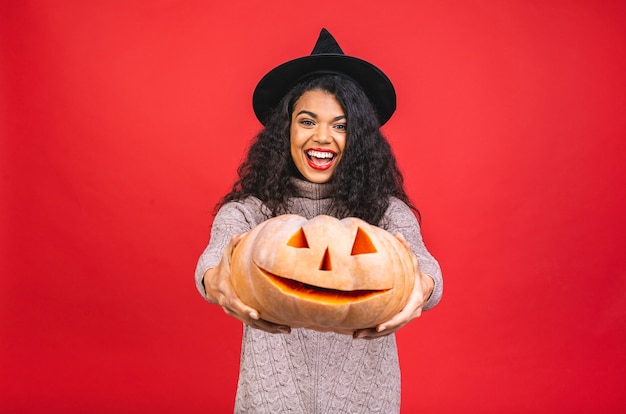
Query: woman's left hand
[{"x": 422, "y": 289}]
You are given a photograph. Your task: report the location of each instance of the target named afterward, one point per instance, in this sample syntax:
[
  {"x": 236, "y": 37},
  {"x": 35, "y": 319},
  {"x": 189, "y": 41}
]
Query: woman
[{"x": 321, "y": 152}]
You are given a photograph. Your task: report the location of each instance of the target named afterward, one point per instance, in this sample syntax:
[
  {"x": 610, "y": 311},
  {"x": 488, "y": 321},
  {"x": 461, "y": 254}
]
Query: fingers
[
  {"x": 402, "y": 240},
  {"x": 218, "y": 281},
  {"x": 237, "y": 309},
  {"x": 387, "y": 328},
  {"x": 401, "y": 319},
  {"x": 253, "y": 320},
  {"x": 412, "y": 310},
  {"x": 269, "y": 326},
  {"x": 236, "y": 239},
  {"x": 230, "y": 249},
  {"x": 377, "y": 332},
  {"x": 406, "y": 244},
  {"x": 367, "y": 334}
]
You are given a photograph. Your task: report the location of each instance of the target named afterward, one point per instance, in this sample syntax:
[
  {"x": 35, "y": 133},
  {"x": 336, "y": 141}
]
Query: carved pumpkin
[{"x": 324, "y": 274}]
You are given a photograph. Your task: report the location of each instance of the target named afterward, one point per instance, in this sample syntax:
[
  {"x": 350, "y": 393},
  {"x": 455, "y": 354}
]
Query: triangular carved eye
[
  {"x": 298, "y": 240},
  {"x": 362, "y": 243},
  {"x": 326, "y": 264}
]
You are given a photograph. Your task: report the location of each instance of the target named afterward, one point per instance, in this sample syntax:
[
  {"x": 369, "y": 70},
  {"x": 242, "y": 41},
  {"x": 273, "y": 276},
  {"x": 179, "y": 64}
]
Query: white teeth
[{"x": 320, "y": 154}]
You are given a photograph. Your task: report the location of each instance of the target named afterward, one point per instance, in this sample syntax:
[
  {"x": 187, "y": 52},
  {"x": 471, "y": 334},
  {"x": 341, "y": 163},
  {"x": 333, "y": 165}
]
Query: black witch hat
[{"x": 326, "y": 58}]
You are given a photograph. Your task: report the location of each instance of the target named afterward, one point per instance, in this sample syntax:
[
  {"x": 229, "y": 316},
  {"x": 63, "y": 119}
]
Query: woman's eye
[
  {"x": 341, "y": 127},
  {"x": 307, "y": 122}
]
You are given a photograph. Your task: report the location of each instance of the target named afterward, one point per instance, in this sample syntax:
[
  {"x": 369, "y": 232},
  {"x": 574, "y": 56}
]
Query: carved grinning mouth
[{"x": 317, "y": 293}]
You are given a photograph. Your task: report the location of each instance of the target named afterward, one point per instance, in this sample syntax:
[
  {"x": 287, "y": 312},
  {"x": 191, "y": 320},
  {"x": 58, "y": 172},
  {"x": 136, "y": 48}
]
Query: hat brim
[{"x": 277, "y": 83}]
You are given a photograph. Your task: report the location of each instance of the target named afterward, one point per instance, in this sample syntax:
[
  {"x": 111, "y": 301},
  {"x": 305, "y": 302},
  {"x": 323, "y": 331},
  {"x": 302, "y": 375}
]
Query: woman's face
[{"x": 317, "y": 135}]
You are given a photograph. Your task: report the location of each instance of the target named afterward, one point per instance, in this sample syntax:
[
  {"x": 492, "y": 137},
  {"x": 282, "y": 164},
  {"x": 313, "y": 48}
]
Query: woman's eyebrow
[
  {"x": 314, "y": 116},
  {"x": 309, "y": 113}
]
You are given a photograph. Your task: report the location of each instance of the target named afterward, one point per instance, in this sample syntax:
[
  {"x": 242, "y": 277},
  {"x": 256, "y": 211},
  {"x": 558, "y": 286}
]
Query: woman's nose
[{"x": 323, "y": 136}]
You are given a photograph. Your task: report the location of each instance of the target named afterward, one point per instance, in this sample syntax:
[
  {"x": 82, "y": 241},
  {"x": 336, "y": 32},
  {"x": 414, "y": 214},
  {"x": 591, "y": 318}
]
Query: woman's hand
[
  {"x": 219, "y": 290},
  {"x": 422, "y": 290}
]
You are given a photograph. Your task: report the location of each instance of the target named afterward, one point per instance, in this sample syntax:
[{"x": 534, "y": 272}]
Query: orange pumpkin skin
[{"x": 324, "y": 274}]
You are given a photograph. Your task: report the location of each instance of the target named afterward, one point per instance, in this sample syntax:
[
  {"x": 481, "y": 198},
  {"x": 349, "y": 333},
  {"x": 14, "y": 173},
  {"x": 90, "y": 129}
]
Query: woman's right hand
[{"x": 219, "y": 290}]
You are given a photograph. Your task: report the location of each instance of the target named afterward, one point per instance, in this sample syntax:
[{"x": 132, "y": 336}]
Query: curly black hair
[{"x": 364, "y": 180}]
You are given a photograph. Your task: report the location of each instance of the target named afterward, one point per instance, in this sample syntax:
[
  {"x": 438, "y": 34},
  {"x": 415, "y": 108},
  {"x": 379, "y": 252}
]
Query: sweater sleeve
[
  {"x": 400, "y": 219},
  {"x": 233, "y": 218}
]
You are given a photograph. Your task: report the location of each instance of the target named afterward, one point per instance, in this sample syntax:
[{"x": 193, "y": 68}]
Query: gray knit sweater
[{"x": 309, "y": 371}]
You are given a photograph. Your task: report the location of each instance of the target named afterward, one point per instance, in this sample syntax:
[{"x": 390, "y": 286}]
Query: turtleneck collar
[{"x": 314, "y": 191}]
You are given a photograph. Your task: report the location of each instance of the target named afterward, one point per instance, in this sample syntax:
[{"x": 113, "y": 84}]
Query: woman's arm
[
  {"x": 213, "y": 269},
  {"x": 232, "y": 219},
  {"x": 400, "y": 219},
  {"x": 428, "y": 288}
]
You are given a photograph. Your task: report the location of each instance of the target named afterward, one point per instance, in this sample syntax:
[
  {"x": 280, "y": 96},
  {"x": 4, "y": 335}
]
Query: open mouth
[
  {"x": 317, "y": 293},
  {"x": 320, "y": 159}
]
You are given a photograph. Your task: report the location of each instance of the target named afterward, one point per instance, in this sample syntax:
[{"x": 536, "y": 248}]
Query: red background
[{"x": 122, "y": 123}]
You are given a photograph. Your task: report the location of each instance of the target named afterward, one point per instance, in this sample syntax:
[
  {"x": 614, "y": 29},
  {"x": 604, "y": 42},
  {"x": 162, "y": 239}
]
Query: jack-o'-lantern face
[{"x": 324, "y": 273}]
